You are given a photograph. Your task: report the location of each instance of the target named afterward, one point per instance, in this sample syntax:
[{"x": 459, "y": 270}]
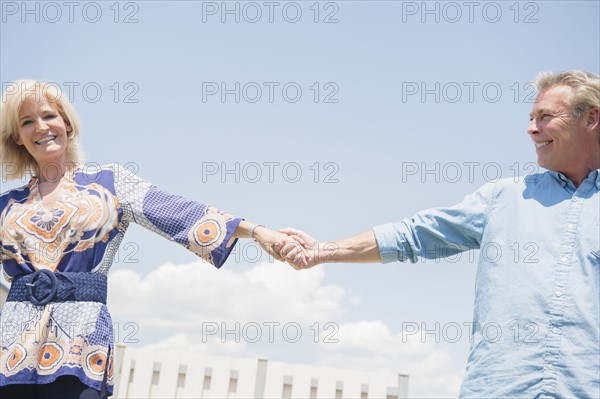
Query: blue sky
[{"x": 373, "y": 112}]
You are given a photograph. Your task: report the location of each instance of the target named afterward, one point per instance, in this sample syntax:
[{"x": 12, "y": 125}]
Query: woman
[{"x": 58, "y": 236}]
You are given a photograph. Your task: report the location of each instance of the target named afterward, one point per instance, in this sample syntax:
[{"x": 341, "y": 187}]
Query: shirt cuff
[{"x": 387, "y": 239}]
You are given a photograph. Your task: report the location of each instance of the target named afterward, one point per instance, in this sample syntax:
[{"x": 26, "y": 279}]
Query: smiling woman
[
  {"x": 31, "y": 109},
  {"x": 43, "y": 132},
  {"x": 59, "y": 234}
]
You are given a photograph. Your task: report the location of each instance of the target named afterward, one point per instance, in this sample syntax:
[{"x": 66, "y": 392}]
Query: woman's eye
[{"x": 25, "y": 123}]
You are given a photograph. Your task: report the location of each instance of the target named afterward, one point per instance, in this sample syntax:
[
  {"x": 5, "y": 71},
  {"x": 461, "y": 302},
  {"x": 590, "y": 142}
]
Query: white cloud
[
  {"x": 190, "y": 342},
  {"x": 370, "y": 345},
  {"x": 183, "y": 296},
  {"x": 191, "y": 306}
]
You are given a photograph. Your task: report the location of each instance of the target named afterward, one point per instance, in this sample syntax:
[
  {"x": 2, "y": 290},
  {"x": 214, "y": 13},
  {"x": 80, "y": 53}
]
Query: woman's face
[{"x": 42, "y": 131}]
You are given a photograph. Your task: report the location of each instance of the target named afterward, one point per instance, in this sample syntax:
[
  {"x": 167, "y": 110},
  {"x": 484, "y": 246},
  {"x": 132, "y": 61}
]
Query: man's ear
[{"x": 593, "y": 119}]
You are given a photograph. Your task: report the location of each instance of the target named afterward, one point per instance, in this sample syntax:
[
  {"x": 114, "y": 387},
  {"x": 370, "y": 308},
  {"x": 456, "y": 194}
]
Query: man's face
[{"x": 561, "y": 141}]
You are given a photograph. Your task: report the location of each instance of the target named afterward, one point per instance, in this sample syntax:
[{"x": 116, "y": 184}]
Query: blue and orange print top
[{"x": 81, "y": 232}]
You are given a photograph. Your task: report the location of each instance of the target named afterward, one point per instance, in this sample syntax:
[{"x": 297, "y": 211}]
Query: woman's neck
[{"x": 53, "y": 171}]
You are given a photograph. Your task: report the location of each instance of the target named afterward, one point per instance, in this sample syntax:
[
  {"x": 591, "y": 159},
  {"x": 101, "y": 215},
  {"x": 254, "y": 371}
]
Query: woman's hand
[
  {"x": 360, "y": 248},
  {"x": 273, "y": 242},
  {"x": 304, "y": 253}
]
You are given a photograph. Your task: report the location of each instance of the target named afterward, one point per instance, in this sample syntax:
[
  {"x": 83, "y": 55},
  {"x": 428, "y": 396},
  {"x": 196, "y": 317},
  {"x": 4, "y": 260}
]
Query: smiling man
[
  {"x": 536, "y": 327},
  {"x": 558, "y": 129}
]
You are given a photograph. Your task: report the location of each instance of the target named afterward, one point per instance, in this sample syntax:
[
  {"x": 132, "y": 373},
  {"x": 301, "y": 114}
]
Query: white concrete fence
[{"x": 143, "y": 373}]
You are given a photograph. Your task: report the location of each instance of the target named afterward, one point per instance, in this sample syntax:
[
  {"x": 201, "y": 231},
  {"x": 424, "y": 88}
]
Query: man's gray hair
[{"x": 585, "y": 93}]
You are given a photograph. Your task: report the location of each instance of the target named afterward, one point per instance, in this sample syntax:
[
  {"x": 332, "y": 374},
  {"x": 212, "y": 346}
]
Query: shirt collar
[
  {"x": 595, "y": 176},
  {"x": 563, "y": 180}
]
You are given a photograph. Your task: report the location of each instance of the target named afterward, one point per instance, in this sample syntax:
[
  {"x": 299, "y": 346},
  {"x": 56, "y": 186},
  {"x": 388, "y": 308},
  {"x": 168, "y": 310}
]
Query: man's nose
[{"x": 533, "y": 128}]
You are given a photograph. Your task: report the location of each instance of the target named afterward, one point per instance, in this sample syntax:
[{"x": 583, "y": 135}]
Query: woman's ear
[{"x": 17, "y": 139}]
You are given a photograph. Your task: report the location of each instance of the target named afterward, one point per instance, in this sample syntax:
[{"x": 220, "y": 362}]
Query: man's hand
[
  {"x": 272, "y": 242},
  {"x": 303, "y": 252},
  {"x": 306, "y": 252}
]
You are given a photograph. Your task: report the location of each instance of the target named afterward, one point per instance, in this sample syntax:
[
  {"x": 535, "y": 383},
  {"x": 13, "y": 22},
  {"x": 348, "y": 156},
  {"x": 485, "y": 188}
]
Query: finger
[
  {"x": 297, "y": 263},
  {"x": 273, "y": 251},
  {"x": 289, "y": 247},
  {"x": 300, "y": 259},
  {"x": 282, "y": 248},
  {"x": 304, "y": 255},
  {"x": 290, "y": 231},
  {"x": 288, "y": 253},
  {"x": 294, "y": 265},
  {"x": 288, "y": 242},
  {"x": 299, "y": 240},
  {"x": 277, "y": 247},
  {"x": 291, "y": 255}
]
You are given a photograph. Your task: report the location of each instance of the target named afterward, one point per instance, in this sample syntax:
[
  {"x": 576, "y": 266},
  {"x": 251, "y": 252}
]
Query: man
[{"x": 551, "y": 291}]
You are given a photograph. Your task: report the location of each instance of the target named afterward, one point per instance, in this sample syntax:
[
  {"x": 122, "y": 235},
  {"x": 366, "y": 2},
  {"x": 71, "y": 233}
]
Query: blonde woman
[{"x": 58, "y": 236}]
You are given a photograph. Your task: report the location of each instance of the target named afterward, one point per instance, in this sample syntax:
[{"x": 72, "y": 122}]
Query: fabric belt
[{"x": 45, "y": 286}]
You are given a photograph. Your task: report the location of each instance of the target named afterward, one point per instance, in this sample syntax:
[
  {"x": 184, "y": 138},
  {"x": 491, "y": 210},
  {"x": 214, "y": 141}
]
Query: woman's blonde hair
[{"x": 15, "y": 160}]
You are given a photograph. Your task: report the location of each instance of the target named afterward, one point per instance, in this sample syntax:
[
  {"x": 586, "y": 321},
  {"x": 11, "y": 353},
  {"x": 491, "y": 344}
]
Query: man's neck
[{"x": 578, "y": 177}]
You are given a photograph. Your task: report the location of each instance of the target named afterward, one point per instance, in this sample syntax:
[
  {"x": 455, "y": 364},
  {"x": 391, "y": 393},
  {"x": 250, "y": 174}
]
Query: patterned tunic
[{"x": 81, "y": 232}]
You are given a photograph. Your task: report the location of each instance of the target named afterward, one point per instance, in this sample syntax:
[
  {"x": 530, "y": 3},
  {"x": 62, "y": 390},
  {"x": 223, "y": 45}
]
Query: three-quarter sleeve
[
  {"x": 437, "y": 232},
  {"x": 200, "y": 228}
]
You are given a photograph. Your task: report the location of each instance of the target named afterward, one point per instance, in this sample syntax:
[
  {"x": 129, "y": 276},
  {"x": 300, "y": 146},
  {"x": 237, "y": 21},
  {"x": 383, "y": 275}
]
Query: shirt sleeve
[
  {"x": 437, "y": 232},
  {"x": 202, "y": 229}
]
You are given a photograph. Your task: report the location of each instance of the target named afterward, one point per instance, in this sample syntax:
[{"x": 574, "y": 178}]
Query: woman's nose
[{"x": 41, "y": 126}]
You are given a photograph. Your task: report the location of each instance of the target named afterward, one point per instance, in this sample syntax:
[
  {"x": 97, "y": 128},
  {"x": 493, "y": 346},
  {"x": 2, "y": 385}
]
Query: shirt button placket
[{"x": 557, "y": 302}]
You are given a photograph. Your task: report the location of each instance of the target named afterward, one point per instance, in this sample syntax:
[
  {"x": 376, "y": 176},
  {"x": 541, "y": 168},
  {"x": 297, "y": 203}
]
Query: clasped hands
[{"x": 293, "y": 246}]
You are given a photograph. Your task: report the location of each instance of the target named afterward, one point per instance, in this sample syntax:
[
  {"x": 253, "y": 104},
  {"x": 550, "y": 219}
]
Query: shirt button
[
  {"x": 555, "y": 330},
  {"x": 570, "y": 226},
  {"x": 549, "y": 366},
  {"x": 563, "y": 259},
  {"x": 558, "y": 293}
]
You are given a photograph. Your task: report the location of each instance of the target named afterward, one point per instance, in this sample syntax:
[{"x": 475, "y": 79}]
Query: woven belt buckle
[{"x": 50, "y": 291}]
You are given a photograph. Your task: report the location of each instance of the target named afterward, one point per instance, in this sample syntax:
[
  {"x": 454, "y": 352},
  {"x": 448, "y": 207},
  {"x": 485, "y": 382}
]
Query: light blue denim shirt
[{"x": 536, "y": 326}]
